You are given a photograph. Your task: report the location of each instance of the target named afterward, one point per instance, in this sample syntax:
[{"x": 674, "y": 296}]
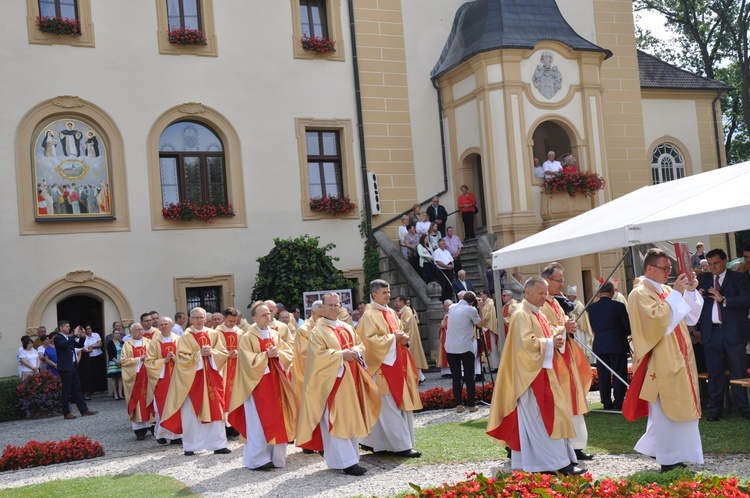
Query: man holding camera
[
  {"x": 459, "y": 346},
  {"x": 66, "y": 344}
]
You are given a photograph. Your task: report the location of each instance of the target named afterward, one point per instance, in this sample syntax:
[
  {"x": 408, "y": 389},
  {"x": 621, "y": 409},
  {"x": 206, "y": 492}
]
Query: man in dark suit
[
  {"x": 438, "y": 214},
  {"x": 611, "y": 328},
  {"x": 66, "y": 344},
  {"x": 724, "y": 330},
  {"x": 461, "y": 284}
]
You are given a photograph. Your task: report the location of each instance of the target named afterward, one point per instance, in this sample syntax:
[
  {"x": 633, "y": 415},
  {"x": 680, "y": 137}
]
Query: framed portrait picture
[{"x": 71, "y": 172}]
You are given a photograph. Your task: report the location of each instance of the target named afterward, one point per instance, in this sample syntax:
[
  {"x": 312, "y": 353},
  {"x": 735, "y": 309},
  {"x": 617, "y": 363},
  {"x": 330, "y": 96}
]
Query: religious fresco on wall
[{"x": 71, "y": 172}]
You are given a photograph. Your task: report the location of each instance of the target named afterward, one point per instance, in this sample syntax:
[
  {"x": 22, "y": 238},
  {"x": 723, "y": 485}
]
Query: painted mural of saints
[{"x": 547, "y": 78}]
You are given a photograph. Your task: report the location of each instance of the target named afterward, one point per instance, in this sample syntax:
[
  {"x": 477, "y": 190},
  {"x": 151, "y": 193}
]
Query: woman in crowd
[
  {"x": 44, "y": 340},
  {"x": 402, "y": 231},
  {"x": 467, "y": 204},
  {"x": 114, "y": 367},
  {"x": 414, "y": 216},
  {"x": 426, "y": 260},
  {"x": 423, "y": 225},
  {"x": 569, "y": 164},
  {"x": 91, "y": 366},
  {"x": 434, "y": 235},
  {"x": 50, "y": 354},
  {"x": 28, "y": 357},
  {"x": 412, "y": 241}
]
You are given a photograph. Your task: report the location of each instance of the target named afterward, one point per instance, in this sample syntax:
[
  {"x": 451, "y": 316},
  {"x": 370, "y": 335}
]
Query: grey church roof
[
  {"x": 484, "y": 25},
  {"x": 655, "y": 73}
]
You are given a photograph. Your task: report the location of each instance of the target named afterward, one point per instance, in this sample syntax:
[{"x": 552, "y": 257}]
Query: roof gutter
[{"x": 360, "y": 124}]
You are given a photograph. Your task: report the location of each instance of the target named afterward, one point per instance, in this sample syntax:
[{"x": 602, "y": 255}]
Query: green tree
[
  {"x": 711, "y": 39},
  {"x": 295, "y": 266}
]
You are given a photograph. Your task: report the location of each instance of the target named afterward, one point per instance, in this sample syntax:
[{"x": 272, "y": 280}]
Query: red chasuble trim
[
  {"x": 395, "y": 375},
  {"x": 633, "y": 407},
  {"x": 212, "y": 381},
  {"x": 162, "y": 385},
  {"x": 267, "y": 397},
  {"x": 138, "y": 395},
  {"x": 230, "y": 338}
]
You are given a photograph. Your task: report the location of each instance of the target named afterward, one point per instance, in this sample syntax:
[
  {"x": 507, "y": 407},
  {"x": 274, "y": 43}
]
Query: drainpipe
[
  {"x": 360, "y": 124},
  {"x": 718, "y": 156},
  {"x": 445, "y": 162}
]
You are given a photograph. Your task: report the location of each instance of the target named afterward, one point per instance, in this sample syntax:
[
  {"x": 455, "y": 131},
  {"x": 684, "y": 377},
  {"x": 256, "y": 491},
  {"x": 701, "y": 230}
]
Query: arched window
[
  {"x": 666, "y": 164},
  {"x": 192, "y": 165}
]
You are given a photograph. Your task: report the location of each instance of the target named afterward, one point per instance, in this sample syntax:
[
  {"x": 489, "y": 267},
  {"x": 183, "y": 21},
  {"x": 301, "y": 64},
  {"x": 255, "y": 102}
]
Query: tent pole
[
  {"x": 584, "y": 346},
  {"x": 590, "y": 301}
]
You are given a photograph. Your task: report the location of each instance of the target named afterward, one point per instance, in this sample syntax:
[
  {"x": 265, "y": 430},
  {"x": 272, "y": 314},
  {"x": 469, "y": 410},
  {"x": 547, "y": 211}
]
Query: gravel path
[{"x": 304, "y": 475}]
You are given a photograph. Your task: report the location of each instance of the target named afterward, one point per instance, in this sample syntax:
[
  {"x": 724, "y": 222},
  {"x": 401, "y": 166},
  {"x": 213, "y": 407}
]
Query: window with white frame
[{"x": 667, "y": 164}]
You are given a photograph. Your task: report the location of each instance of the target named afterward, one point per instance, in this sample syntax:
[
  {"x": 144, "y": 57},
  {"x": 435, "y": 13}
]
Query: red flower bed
[
  {"x": 332, "y": 204},
  {"x": 187, "y": 211},
  {"x": 583, "y": 183},
  {"x": 523, "y": 484},
  {"x": 35, "y": 454},
  {"x": 319, "y": 44},
  {"x": 438, "y": 398}
]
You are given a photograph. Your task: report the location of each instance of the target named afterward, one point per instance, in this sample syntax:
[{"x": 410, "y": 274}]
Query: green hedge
[{"x": 8, "y": 403}]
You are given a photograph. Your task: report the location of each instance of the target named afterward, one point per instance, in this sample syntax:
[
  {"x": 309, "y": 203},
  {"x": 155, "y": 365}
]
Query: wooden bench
[
  {"x": 727, "y": 389},
  {"x": 743, "y": 383}
]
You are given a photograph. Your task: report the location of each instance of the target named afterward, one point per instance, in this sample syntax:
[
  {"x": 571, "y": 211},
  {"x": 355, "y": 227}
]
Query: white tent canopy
[{"x": 717, "y": 201}]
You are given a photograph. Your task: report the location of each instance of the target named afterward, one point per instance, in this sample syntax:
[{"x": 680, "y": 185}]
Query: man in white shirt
[
  {"x": 459, "y": 346},
  {"x": 180, "y": 319},
  {"x": 444, "y": 262},
  {"x": 538, "y": 169},
  {"x": 551, "y": 166}
]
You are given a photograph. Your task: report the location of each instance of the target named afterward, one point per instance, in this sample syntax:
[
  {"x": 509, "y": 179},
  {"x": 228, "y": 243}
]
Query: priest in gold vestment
[
  {"x": 300, "y": 347},
  {"x": 665, "y": 382},
  {"x": 488, "y": 313},
  {"x": 411, "y": 328},
  {"x": 135, "y": 381},
  {"x": 195, "y": 402},
  {"x": 529, "y": 411},
  {"x": 392, "y": 366},
  {"x": 160, "y": 361},
  {"x": 340, "y": 401},
  {"x": 263, "y": 407},
  {"x": 574, "y": 371},
  {"x": 229, "y": 336}
]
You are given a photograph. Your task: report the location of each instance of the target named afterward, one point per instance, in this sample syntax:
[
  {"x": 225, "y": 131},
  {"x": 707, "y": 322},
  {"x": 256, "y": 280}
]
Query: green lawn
[
  {"x": 608, "y": 434},
  {"x": 124, "y": 486}
]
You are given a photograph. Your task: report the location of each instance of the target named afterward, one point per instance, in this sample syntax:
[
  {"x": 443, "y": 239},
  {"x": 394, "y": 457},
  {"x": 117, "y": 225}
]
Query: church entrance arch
[
  {"x": 87, "y": 310},
  {"x": 551, "y": 136}
]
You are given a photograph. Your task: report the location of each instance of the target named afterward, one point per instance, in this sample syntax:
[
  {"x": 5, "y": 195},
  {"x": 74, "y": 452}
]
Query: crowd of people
[
  {"x": 276, "y": 379},
  {"x": 335, "y": 384}
]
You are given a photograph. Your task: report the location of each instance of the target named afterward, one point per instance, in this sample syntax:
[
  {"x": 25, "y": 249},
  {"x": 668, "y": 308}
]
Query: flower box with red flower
[
  {"x": 58, "y": 26},
  {"x": 189, "y": 211},
  {"x": 187, "y": 36},
  {"x": 577, "y": 183},
  {"x": 319, "y": 44},
  {"x": 334, "y": 205}
]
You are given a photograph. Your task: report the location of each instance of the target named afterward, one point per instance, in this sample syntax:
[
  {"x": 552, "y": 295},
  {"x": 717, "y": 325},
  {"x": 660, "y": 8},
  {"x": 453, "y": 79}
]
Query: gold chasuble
[
  {"x": 345, "y": 317},
  {"x": 489, "y": 318},
  {"x": 508, "y": 310},
  {"x": 204, "y": 388},
  {"x": 266, "y": 381},
  {"x": 353, "y": 399},
  {"x": 410, "y": 326},
  {"x": 574, "y": 370},
  {"x": 300, "y": 356},
  {"x": 663, "y": 365},
  {"x": 376, "y": 329},
  {"x": 284, "y": 333},
  {"x": 521, "y": 368},
  {"x": 442, "y": 359},
  {"x": 157, "y": 350},
  {"x": 229, "y": 338},
  {"x": 137, "y": 393}
]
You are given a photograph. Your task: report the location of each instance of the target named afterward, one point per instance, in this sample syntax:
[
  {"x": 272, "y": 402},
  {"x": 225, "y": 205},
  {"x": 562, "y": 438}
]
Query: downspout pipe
[
  {"x": 445, "y": 161},
  {"x": 360, "y": 124},
  {"x": 717, "y": 140}
]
